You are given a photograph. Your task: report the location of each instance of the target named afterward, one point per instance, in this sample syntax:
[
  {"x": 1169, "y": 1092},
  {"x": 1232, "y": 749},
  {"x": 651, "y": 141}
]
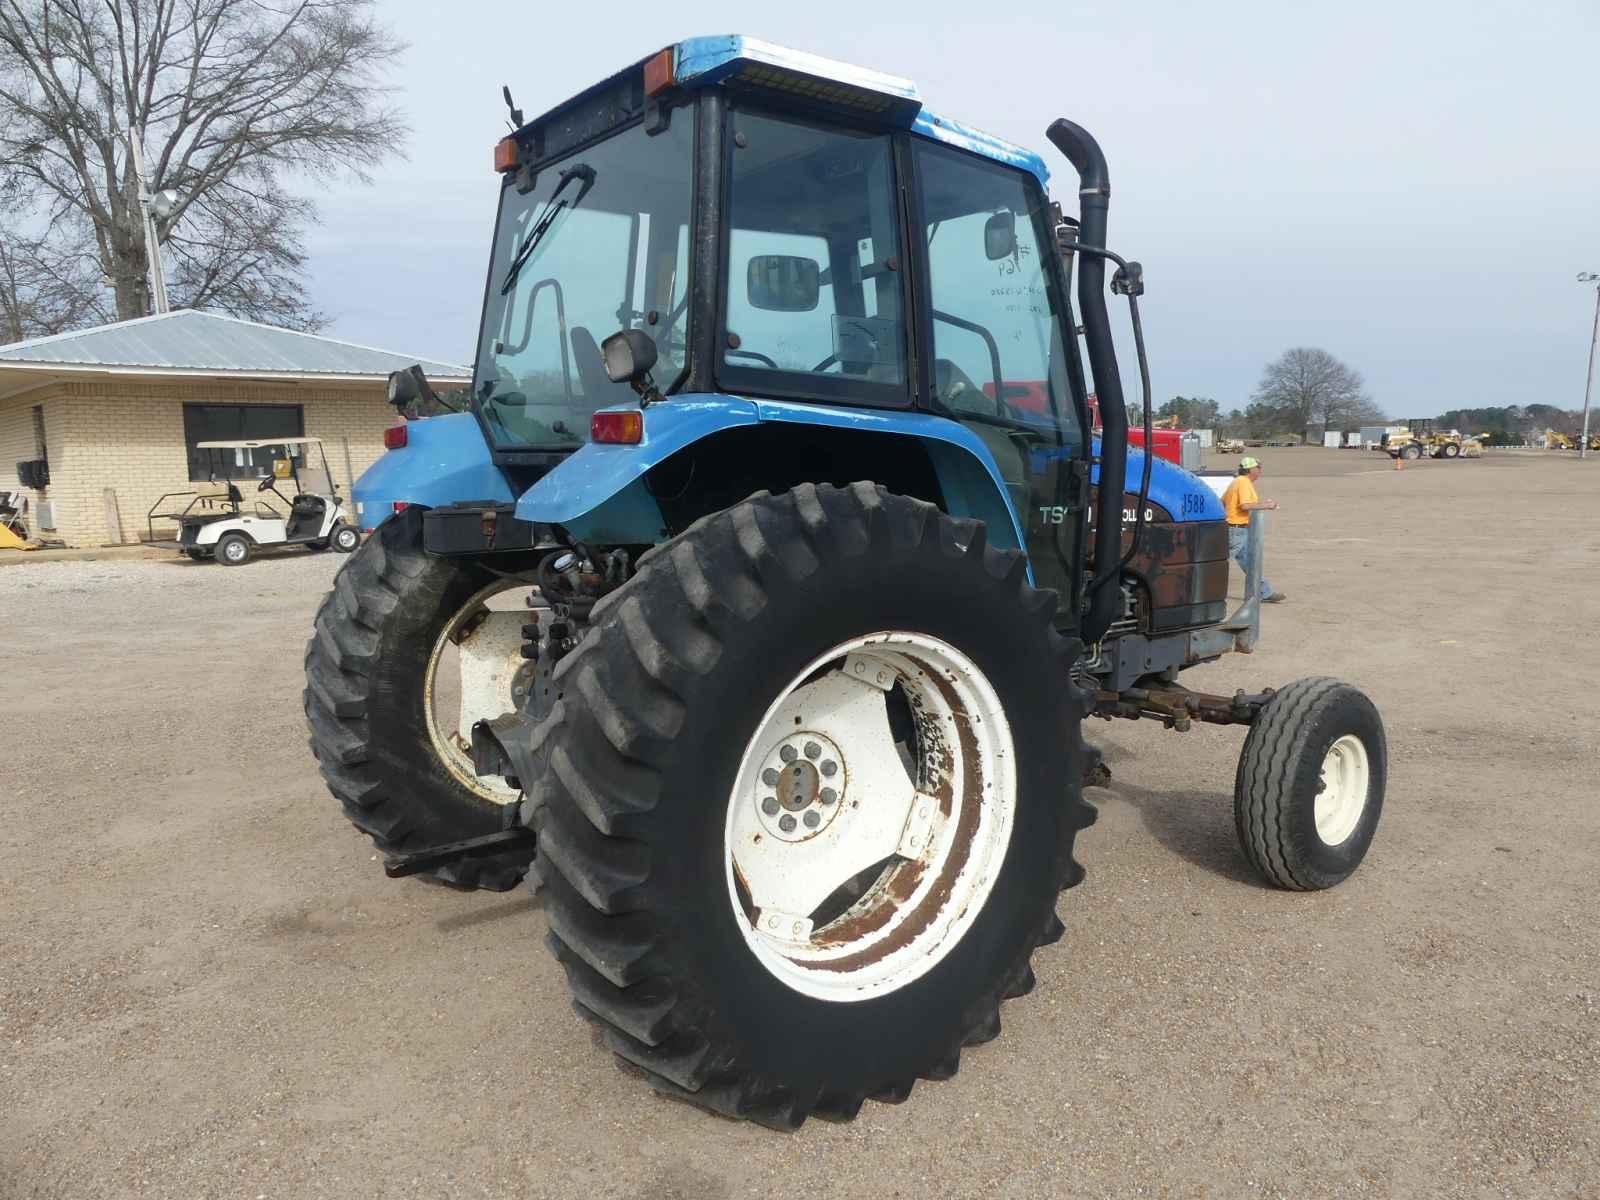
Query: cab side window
[
  {"x": 815, "y": 301},
  {"x": 996, "y": 347}
]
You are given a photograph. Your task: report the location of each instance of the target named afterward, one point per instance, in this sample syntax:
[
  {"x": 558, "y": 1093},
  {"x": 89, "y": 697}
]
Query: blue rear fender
[
  {"x": 599, "y": 494},
  {"x": 445, "y": 459}
]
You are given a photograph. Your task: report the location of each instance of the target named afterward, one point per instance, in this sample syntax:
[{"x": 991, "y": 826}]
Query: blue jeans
[{"x": 1238, "y": 544}]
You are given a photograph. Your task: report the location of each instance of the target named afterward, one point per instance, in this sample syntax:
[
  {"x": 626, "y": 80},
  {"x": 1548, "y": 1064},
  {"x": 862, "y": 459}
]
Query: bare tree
[
  {"x": 49, "y": 282},
  {"x": 230, "y": 98},
  {"x": 1305, "y": 387}
]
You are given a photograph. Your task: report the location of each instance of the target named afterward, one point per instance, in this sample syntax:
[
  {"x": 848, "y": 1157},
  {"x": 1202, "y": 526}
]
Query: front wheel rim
[
  {"x": 1342, "y": 796},
  {"x": 855, "y": 864}
]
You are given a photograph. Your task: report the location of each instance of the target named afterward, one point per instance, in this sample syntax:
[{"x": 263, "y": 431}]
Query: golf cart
[{"x": 219, "y": 524}]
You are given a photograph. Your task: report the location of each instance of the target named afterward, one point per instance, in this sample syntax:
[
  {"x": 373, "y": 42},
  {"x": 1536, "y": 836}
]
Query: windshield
[{"x": 599, "y": 243}]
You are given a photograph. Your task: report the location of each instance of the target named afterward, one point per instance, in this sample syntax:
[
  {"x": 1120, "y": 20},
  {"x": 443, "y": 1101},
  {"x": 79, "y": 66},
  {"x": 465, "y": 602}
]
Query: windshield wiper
[{"x": 547, "y": 219}]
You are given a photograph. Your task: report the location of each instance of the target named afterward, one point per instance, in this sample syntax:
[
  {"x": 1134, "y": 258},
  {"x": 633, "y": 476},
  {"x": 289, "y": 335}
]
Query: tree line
[{"x": 1303, "y": 388}]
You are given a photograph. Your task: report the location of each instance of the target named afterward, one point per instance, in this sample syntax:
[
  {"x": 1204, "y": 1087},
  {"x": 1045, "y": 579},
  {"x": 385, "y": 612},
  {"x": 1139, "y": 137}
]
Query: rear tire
[
  {"x": 344, "y": 538},
  {"x": 1310, "y": 784},
  {"x": 366, "y": 667},
  {"x": 233, "y": 550},
  {"x": 654, "y": 902}
]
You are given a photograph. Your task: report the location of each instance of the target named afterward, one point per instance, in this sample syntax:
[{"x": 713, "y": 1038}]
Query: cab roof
[{"x": 807, "y": 81}]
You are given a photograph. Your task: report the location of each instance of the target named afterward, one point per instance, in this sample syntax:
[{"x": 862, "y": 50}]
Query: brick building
[{"x": 113, "y": 413}]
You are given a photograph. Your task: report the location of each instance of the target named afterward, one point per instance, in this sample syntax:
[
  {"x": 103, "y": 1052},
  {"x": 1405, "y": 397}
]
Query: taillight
[
  {"x": 395, "y": 437},
  {"x": 618, "y": 428},
  {"x": 401, "y": 505}
]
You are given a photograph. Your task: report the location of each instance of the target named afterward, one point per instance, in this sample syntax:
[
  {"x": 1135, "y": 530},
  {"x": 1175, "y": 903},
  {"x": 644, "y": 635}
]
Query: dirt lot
[{"x": 207, "y": 987}]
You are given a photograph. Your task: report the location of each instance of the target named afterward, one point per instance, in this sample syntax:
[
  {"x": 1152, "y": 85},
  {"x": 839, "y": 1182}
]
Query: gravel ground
[{"x": 207, "y": 987}]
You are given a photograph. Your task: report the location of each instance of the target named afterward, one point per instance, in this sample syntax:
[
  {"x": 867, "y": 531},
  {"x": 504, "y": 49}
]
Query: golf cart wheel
[
  {"x": 391, "y": 744},
  {"x": 1310, "y": 784},
  {"x": 197, "y": 555},
  {"x": 233, "y": 550},
  {"x": 808, "y": 798},
  {"x": 344, "y": 538},
  {"x": 1412, "y": 451},
  {"x": 1450, "y": 450}
]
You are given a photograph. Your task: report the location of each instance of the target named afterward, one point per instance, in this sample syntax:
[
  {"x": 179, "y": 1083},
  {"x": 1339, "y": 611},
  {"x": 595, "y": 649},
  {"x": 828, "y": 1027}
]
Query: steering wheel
[
  {"x": 268, "y": 484},
  {"x": 831, "y": 360},
  {"x": 761, "y": 358}
]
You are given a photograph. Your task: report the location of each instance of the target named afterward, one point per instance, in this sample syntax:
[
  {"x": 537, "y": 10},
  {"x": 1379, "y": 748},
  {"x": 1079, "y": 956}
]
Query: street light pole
[
  {"x": 1588, "y": 379},
  {"x": 152, "y": 240}
]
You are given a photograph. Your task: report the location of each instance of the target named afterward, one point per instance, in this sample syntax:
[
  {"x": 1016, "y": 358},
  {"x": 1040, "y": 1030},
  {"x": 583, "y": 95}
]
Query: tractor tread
[
  {"x": 388, "y": 800},
  {"x": 607, "y": 758}
]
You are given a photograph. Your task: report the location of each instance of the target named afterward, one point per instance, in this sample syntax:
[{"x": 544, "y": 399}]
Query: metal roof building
[{"x": 109, "y": 419}]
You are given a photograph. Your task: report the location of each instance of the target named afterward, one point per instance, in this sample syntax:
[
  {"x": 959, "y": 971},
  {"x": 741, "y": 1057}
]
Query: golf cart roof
[{"x": 258, "y": 443}]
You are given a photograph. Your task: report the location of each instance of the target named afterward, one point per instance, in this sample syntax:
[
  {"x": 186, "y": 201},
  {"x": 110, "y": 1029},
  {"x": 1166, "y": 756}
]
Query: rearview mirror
[
  {"x": 629, "y": 354},
  {"x": 1000, "y": 235},
  {"x": 783, "y": 283}
]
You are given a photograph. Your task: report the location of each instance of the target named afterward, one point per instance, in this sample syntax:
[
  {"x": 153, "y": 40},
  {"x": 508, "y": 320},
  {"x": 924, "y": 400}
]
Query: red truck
[{"x": 1034, "y": 395}]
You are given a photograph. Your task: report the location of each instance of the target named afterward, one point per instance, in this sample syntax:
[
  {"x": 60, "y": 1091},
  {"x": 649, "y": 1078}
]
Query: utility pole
[
  {"x": 150, "y": 208},
  {"x": 1589, "y": 378}
]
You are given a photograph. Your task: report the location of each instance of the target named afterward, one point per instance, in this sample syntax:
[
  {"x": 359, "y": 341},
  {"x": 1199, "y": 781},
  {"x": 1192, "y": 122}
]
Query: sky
[{"x": 1412, "y": 186}]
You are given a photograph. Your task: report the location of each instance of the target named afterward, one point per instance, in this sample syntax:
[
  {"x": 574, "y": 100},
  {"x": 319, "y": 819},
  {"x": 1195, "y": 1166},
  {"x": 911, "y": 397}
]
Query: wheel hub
[
  {"x": 1342, "y": 797},
  {"x": 800, "y": 787}
]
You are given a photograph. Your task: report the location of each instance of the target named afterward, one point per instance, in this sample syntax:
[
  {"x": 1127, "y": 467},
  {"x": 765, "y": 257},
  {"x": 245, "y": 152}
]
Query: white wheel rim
[
  {"x": 488, "y": 670},
  {"x": 1343, "y": 796},
  {"x": 921, "y": 853},
  {"x": 234, "y": 551}
]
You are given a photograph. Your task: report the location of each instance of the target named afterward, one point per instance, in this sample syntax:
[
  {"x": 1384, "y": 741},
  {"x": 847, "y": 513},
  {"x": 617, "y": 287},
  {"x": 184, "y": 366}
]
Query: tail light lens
[
  {"x": 617, "y": 428},
  {"x": 401, "y": 505},
  {"x": 395, "y": 436}
]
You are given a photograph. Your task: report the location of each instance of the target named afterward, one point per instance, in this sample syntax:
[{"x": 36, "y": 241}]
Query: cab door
[{"x": 992, "y": 315}]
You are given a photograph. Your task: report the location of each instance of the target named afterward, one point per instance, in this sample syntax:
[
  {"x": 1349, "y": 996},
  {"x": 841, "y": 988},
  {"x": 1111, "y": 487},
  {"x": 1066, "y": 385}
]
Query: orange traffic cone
[{"x": 1399, "y": 462}]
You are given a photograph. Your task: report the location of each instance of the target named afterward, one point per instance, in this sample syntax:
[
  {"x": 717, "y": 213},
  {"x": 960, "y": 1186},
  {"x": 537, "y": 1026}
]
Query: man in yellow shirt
[{"x": 1238, "y": 502}]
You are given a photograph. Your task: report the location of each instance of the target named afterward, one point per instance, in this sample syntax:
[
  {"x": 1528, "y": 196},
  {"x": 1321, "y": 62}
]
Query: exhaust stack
[{"x": 1094, "y": 192}]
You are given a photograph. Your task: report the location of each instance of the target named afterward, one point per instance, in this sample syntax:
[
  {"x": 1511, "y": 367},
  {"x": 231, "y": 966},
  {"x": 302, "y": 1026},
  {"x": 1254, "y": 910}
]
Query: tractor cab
[{"x": 829, "y": 282}]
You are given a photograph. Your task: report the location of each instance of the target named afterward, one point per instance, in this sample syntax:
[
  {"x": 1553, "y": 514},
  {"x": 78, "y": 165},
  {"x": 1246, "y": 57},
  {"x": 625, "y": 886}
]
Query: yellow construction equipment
[
  {"x": 1230, "y": 446},
  {"x": 1420, "y": 437},
  {"x": 13, "y": 522}
]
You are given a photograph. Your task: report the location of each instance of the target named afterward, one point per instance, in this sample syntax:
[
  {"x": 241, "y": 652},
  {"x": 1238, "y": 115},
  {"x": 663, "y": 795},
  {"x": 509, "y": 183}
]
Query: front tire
[
  {"x": 370, "y": 664},
  {"x": 344, "y": 538},
  {"x": 1309, "y": 789},
  {"x": 730, "y": 659}
]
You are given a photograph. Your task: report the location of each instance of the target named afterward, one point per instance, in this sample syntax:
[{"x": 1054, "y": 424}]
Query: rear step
[{"x": 398, "y": 866}]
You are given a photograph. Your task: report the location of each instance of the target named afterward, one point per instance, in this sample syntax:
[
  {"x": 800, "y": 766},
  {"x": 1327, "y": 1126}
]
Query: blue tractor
[{"x": 775, "y": 569}]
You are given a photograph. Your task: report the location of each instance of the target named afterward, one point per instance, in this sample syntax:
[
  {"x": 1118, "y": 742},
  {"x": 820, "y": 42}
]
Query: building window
[{"x": 236, "y": 422}]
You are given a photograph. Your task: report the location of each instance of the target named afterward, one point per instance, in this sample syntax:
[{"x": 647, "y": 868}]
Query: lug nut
[
  {"x": 769, "y": 777},
  {"x": 787, "y": 754},
  {"x": 828, "y": 795},
  {"x": 770, "y": 806},
  {"x": 830, "y": 768},
  {"x": 786, "y": 823},
  {"x": 813, "y": 750},
  {"x": 812, "y": 818}
]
